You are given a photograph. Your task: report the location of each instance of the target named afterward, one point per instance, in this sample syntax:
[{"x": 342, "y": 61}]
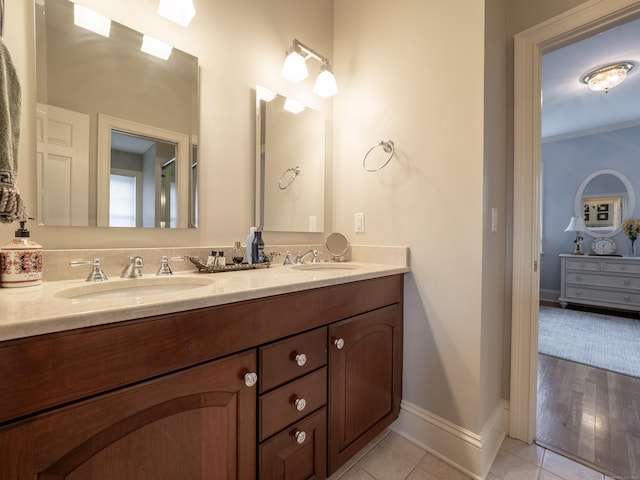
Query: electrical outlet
[
  {"x": 358, "y": 221},
  {"x": 494, "y": 219},
  {"x": 313, "y": 223}
]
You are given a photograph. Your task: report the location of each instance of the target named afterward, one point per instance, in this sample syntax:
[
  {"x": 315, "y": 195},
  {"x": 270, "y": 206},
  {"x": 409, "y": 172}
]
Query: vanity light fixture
[
  {"x": 604, "y": 78},
  {"x": 293, "y": 106},
  {"x": 178, "y": 11},
  {"x": 265, "y": 94},
  {"x": 576, "y": 224},
  {"x": 155, "y": 47},
  {"x": 90, "y": 20},
  {"x": 295, "y": 69}
]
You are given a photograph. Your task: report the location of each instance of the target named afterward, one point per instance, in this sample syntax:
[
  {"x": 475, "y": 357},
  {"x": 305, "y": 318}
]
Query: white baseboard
[
  {"x": 467, "y": 452},
  {"x": 549, "y": 296}
]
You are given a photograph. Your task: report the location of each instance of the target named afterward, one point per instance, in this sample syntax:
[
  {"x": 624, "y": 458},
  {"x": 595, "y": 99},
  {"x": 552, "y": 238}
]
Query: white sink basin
[
  {"x": 326, "y": 266},
  {"x": 132, "y": 288}
]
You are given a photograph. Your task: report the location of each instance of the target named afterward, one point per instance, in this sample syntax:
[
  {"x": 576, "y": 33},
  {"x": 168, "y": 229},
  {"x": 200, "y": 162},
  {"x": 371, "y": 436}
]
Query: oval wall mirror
[{"x": 604, "y": 199}]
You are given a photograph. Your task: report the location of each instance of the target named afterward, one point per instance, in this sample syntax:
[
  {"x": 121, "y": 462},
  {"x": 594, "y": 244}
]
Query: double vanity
[{"x": 283, "y": 372}]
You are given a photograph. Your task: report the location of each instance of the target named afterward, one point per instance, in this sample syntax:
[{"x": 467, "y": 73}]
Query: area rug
[{"x": 601, "y": 341}]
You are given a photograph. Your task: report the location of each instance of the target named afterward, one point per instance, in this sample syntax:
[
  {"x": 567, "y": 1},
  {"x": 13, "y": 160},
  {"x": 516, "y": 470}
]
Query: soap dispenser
[{"x": 21, "y": 260}]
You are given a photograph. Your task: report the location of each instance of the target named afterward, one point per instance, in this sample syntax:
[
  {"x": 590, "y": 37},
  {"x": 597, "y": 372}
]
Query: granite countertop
[{"x": 41, "y": 309}]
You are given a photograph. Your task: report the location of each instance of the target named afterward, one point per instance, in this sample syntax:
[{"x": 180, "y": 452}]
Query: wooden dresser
[{"x": 601, "y": 281}]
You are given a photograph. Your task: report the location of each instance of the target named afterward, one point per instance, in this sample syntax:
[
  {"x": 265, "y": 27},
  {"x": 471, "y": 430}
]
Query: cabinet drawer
[
  {"x": 610, "y": 296},
  {"x": 619, "y": 267},
  {"x": 602, "y": 280},
  {"x": 291, "y": 456},
  {"x": 291, "y": 358},
  {"x": 590, "y": 265},
  {"x": 291, "y": 402}
]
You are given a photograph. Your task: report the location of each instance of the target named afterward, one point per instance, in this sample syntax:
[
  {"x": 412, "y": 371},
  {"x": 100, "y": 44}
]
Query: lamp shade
[
  {"x": 325, "y": 85},
  {"x": 90, "y": 20},
  {"x": 295, "y": 68},
  {"x": 178, "y": 11},
  {"x": 576, "y": 224}
]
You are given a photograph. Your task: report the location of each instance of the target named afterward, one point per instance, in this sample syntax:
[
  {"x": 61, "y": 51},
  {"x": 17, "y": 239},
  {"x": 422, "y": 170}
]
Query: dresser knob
[
  {"x": 627, "y": 282},
  {"x": 578, "y": 278},
  {"x": 301, "y": 359},
  {"x": 578, "y": 293},
  {"x": 627, "y": 299},
  {"x": 250, "y": 379},
  {"x": 301, "y": 436},
  {"x": 339, "y": 343},
  {"x": 301, "y": 403}
]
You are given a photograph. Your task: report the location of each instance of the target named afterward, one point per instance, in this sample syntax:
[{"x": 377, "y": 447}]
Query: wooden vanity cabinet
[{"x": 169, "y": 396}]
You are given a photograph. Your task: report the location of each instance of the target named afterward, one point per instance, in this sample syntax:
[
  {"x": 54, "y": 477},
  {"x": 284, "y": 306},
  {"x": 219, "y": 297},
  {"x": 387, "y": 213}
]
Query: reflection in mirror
[
  {"x": 290, "y": 163},
  {"x": 604, "y": 200},
  {"x": 82, "y": 75}
]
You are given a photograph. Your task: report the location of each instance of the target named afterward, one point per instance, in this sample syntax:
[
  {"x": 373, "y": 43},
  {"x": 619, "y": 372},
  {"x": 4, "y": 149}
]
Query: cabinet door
[
  {"x": 192, "y": 425},
  {"x": 365, "y": 380}
]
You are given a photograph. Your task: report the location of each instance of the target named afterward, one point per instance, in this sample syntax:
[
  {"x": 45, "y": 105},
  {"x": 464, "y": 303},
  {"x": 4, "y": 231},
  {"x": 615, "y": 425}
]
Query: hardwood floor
[{"x": 589, "y": 414}]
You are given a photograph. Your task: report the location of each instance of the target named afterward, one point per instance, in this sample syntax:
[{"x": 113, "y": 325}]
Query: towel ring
[
  {"x": 387, "y": 146},
  {"x": 295, "y": 172}
]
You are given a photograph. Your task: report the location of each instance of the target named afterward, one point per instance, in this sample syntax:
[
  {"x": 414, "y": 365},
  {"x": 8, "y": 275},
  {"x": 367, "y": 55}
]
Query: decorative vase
[{"x": 633, "y": 246}]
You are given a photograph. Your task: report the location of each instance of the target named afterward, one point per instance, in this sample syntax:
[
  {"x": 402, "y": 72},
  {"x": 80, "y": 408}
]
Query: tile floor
[{"x": 391, "y": 457}]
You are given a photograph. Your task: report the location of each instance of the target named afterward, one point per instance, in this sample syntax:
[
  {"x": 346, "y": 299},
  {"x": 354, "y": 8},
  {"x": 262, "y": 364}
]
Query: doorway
[{"x": 587, "y": 19}]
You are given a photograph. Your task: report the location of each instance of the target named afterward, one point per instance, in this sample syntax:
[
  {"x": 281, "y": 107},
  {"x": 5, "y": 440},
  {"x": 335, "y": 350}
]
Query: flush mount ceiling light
[
  {"x": 178, "y": 11},
  {"x": 155, "y": 47},
  {"x": 90, "y": 20},
  {"x": 604, "y": 78},
  {"x": 295, "y": 69}
]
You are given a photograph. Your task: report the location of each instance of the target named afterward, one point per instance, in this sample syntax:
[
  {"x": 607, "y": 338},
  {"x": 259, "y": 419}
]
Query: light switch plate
[{"x": 358, "y": 221}]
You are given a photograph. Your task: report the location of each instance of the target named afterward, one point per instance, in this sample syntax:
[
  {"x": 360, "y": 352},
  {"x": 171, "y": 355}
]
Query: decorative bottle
[
  {"x": 250, "y": 237},
  {"x": 21, "y": 260},
  {"x": 257, "y": 248},
  {"x": 237, "y": 254}
]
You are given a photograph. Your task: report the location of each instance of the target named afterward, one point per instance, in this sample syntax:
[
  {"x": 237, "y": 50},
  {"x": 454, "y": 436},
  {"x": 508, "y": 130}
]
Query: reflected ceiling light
[
  {"x": 178, "y": 11},
  {"x": 603, "y": 78},
  {"x": 93, "y": 21},
  {"x": 155, "y": 47},
  {"x": 293, "y": 106},
  {"x": 265, "y": 94},
  {"x": 295, "y": 69}
]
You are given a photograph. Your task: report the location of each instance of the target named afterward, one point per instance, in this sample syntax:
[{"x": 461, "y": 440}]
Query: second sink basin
[{"x": 136, "y": 287}]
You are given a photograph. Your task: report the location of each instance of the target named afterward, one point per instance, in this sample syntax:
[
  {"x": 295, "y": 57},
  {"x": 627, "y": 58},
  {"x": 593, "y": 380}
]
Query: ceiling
[{"x": 569, "y": 106}]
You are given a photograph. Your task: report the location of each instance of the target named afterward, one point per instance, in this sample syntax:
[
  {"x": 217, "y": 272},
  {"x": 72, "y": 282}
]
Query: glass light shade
[
  {"x": 602, "y": 79},
  {"x": 576, "y": 224},
  {"x": 325, "y": 84},
  {"x": 93, "y": 21},
  {"x": 293, "y": 106},
  {"x": 178, "y": 11},
  {"x": 295, "y": 68},
  {"x": 155, "y": 47}
]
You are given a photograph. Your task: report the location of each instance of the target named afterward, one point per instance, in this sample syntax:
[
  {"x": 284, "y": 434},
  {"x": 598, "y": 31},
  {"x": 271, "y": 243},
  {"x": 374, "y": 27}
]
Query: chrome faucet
[
  {"x": 300, "y": 257},
  {"x": 134, "y": 268},
  {"x": 96, "y": 275},
  {"x": 165, "y": 269}
]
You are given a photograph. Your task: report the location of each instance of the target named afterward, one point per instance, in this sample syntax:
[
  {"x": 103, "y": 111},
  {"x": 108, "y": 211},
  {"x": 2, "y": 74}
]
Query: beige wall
[{"x": 239, "y": 44}]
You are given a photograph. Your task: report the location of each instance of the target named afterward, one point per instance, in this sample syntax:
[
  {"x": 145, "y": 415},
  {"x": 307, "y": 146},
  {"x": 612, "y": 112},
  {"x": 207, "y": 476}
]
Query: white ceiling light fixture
[
  {"x": 155, "y": 47},
  {"x": 295, "y": 69},
  {"x": 178, "y": 11},
  {"x": 602, "y": 79},
  {"x": 90, "y": 20}
]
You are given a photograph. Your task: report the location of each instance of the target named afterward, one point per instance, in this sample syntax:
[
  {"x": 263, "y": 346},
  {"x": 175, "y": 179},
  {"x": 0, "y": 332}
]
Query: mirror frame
[
  {"x": 107, "y": 123},
  {"x": 628, "y": 207}
]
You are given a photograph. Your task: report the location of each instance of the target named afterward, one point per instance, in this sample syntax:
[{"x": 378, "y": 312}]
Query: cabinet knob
[
  {"x": 627, "y": 282},
  {"x": 301, "y": 436},
  {"x": 250, "y": 379},
  {"x": 301, "y": 359},
  {"x": 339, "y": 343},
  {"x": 300, "y": 403},
  {"x": 627, "y": 298},
  {"x": 578, "y": 278}
]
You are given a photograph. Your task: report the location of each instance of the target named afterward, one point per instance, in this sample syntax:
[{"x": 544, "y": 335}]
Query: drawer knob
[
  {"x": 627, "y": 299},
  {"x": 301, "y": 436},
  {"x": 301, "y": 404},
  {"x": 578, "y": 278},
  {"x": 339, "y": 343},
  {"x": 301, "y": 359},
  {"x": 250, "y": 379}
]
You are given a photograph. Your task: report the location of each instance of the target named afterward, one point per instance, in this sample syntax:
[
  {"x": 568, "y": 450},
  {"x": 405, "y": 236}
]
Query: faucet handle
[
  {"x": 287, "y": 258},
  {"x": 96, "y": 275},
  {"x": 315, "y": 258},
  {"x": 165, "y": 269}
]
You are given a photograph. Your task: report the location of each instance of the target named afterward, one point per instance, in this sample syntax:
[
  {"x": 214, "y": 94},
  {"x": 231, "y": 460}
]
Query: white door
[{"x": 63, "y": 166}]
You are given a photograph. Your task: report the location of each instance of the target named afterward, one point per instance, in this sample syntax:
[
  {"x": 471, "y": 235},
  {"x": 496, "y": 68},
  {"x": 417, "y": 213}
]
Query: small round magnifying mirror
[{"x": 338, "y": 246}]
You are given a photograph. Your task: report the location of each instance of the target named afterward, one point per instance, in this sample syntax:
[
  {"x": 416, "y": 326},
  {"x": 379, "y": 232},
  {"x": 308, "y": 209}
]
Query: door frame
[{"x": 580, "y": 22}]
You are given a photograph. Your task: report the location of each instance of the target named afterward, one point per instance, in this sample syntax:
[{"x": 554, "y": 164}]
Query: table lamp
[{"x": 576, "y": 224}]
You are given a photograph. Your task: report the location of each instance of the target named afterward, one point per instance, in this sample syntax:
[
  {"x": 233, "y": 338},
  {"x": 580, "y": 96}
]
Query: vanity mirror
[
  {"x": 290, "y": 164},
  {"x": 604, "y": 199},
  {"x": 95, "y": 91}
]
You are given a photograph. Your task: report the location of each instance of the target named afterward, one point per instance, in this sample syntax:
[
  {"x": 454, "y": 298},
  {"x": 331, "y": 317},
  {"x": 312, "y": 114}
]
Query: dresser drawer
[
  {"x": 291, "y": 358},
  {"x": 584, "y": 264},
  {"x": 291, "y": 402},
  {"x": 298, "y": 452},
  {"x": 602, "y": 280},
  {"x": 609, "y": 296},
  {"x": 619, "y": 267}
]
